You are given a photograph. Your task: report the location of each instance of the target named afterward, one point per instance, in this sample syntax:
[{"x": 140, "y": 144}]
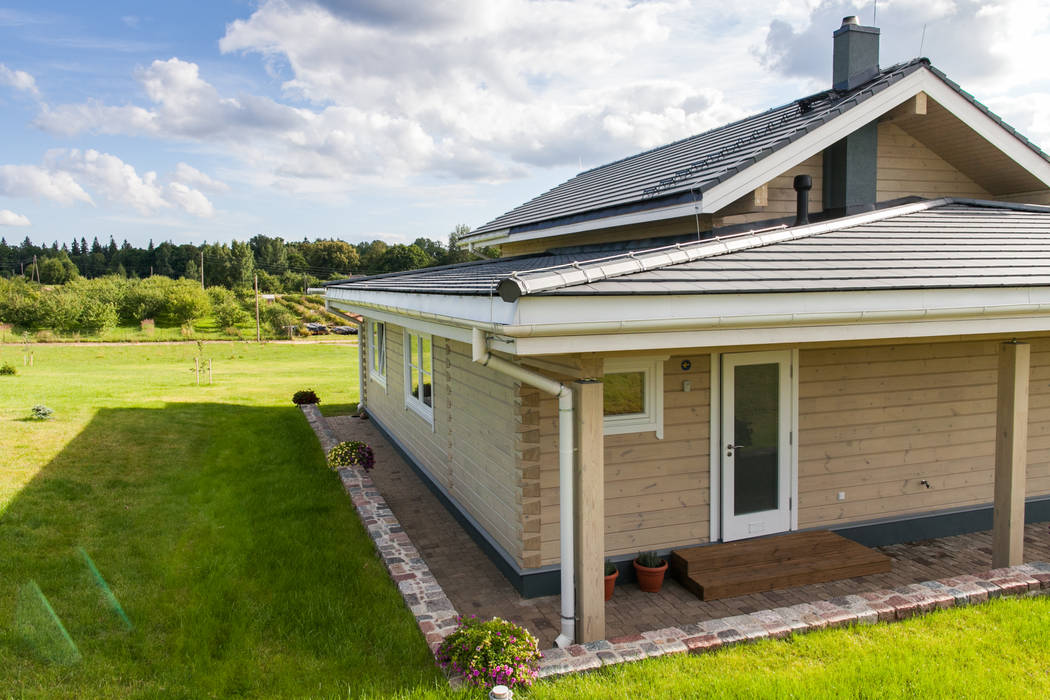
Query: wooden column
[
  {"x": 590, "y": 512},
  {"x": 1011, "y": 447}
]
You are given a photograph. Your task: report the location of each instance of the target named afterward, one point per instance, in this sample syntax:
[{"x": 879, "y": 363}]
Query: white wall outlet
[
  {"x": 842, "y": 495},
  {"x": 687, "y": 385}
]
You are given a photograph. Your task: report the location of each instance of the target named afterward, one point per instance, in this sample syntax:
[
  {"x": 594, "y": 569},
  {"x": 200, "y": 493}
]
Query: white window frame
[
  {"x": 652, "y": 418},
  {"x": 377, "y": 329},
  {"x": 411, "y": 400}
]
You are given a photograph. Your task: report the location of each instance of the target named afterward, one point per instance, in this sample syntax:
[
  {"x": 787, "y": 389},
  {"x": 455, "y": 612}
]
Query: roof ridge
[{"x": 527, "y": 282}]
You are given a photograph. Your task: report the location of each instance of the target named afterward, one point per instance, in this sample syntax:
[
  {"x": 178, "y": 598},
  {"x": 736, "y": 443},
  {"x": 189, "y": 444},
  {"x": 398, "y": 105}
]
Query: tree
[
  {"x": 242, "y": 265},
  {"x": 403, "y": 257},
  {"x": 270, "y": 254},
  {"x": 371, "y": 254},
  {"x": 57, "y": 269},
  {"x": 455, "y": 252},
  {"x": 331, "y": 258}
]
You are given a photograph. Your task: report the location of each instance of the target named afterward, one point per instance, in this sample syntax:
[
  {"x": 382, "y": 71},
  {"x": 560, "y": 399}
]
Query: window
[
  {"x": 419, "y": 374},
  {"x": 377, "y": 352},
  {"x": 633, "y": 395}
]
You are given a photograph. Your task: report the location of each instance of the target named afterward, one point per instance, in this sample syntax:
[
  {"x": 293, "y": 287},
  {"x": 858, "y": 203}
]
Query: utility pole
[
  {"x": 202, "y": 269},
  {"x": 258, "y": 330},
  {"x": 36, "y": 269}
]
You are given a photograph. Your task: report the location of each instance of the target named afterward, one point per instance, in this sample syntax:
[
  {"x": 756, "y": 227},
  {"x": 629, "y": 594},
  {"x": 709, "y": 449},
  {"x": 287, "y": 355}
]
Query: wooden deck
[{"x": 767, "y": 564}]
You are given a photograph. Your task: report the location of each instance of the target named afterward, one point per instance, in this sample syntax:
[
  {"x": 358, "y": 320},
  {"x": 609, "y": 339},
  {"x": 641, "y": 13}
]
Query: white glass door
[{"x": 756, "y": 452}]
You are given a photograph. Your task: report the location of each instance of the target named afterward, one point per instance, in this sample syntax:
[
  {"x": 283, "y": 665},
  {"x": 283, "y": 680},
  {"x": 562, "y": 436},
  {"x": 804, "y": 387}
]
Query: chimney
[
  {"x": 850, "y": 165},
  {"x": 856, "y": 55}
]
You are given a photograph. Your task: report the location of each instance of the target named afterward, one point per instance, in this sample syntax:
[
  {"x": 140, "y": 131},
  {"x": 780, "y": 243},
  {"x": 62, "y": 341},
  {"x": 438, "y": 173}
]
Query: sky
[{"x": 394, "y": 119}]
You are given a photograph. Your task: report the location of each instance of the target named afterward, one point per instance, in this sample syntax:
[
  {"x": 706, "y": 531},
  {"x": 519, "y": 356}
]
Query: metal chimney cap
[{"x": 852, "y": 19}]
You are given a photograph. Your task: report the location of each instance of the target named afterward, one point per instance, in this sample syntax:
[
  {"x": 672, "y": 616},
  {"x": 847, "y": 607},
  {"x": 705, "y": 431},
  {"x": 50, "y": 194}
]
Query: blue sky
[{"x": 361, "y": 119}]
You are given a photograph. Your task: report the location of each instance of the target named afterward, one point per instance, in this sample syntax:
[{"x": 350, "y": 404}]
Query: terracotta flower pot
[
  {"x": 650, "y": 578},
  {"x": 610, "y": 584}
]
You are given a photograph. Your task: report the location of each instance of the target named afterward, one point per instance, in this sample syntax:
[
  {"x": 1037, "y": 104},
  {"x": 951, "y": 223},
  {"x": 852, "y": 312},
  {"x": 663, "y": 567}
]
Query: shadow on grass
[{"x": 234, "y": 551}]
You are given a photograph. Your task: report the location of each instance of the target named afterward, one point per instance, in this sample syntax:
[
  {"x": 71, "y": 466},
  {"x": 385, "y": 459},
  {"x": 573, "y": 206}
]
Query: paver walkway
[{"x": 475, "y": 586}]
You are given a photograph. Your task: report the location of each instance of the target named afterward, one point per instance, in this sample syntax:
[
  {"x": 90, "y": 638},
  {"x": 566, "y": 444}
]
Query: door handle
[{"x": 730, "y": 448}]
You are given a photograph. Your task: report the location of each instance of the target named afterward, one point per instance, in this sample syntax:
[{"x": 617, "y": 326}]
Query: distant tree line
[{"x": 282, "y": 266}]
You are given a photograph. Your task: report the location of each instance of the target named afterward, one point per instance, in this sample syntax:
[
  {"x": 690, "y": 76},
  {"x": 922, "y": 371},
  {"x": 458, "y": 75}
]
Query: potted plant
[
  {"x": 650, "y": 568},
  {"x": 611, "y": 572}
]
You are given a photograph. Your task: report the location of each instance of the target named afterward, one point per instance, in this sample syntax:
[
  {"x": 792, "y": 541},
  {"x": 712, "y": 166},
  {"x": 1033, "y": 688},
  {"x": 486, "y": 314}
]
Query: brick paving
[{"x": 682, "y": 622}]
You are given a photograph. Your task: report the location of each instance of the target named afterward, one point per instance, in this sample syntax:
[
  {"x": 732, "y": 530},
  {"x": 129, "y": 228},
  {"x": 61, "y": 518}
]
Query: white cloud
[
  {"x": 990, "y": 45},
  {"x": 116, "y": 180},
  {"x": 190, "y": 200},
  {"x": 389, "y": 92},
  {"x": 35, "y": 181},
  {"x": 9, "y": 218},
  {"x": 66, "y": 173},
  {"x": 468, "y": 89},
  {"x": 18, "y": 79},
  {"x": 188, "y": 175}
]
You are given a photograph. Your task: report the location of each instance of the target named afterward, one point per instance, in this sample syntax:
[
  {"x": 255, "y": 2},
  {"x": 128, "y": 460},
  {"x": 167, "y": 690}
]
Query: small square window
[{"x": 633, "y": 396}]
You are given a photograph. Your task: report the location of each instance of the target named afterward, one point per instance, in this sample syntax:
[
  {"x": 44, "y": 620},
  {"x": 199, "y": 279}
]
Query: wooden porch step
[{"x": 766, "y": 564}]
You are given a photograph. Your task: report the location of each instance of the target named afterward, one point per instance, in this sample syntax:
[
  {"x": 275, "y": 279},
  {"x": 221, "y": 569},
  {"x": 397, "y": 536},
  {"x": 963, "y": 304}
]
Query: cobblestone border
[
  {"x": 437, "y": 618},
  {"x": 422, "y": 594}
]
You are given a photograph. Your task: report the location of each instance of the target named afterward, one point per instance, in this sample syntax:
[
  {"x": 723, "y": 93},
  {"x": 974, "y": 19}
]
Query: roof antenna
[
  {"x": 875, "y": 14},
  {"x": 923, "y": 40}
]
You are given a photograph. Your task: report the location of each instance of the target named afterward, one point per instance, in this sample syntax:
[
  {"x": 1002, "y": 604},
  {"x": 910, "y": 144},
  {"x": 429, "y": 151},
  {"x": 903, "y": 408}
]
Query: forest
[{"x": 282, "y": 266}]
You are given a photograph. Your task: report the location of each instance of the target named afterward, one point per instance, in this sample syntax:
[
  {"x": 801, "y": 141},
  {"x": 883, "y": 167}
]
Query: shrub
[
  {"x": 41, "y": 412},
  {"x": 305, "y": 396},
  {"x": 352, "y": 453},
  {"x": 7, "y": 370},
  {"x": 45, "y": 336},
  {"x": 147, "y": 326},
  {"x": 233, "y": 331},
  {"x": 490, "y": 653},
  {"x": 229, "y": 313},
  {"x": 186, "y": 330},
  {"x": 279, "y": 318}
]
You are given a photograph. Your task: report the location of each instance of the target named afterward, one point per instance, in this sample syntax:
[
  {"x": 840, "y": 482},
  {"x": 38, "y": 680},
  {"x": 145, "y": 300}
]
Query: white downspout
[{"x": 482, "y": 356}]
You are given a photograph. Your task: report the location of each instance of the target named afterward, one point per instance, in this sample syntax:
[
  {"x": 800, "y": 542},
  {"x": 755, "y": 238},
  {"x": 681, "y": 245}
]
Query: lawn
[{"x": 245, "y": 571}]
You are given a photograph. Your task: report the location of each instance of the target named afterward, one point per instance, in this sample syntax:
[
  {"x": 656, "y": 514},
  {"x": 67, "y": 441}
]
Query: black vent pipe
[{"x": 803, "y": 184}]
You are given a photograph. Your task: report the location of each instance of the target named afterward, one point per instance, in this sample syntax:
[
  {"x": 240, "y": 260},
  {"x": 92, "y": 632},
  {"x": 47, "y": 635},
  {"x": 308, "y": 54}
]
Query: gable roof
[
  {"x": 683, "y": 171},
  {"x": 944, "y": 243}
]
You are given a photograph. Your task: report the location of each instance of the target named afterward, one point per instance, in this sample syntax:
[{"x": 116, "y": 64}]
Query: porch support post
[
  {"x": 1011, "y": 447},
  {"x": 590, "y": 512}
]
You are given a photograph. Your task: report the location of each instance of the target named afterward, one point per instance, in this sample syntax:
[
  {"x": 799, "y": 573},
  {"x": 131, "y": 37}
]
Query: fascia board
[
  {"x": 754, "y": 337},
  {"x": 797, "y": 307},
  {"x": 822, "y": 137},
  {"x": 445, "y": 315},
  {"x": 988, "y": 128}
]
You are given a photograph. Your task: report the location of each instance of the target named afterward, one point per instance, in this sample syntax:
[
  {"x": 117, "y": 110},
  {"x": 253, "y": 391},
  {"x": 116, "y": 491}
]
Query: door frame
[{"x": 716, "y": 509}]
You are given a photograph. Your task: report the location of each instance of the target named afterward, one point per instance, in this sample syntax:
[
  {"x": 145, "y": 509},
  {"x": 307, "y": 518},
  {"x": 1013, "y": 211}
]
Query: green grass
[{"x": 245, "y": 570}]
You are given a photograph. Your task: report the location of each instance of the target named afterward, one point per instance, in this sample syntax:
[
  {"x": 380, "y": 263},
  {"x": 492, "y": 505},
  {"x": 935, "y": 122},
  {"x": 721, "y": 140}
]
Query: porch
[{"x": 474, "y": 585}]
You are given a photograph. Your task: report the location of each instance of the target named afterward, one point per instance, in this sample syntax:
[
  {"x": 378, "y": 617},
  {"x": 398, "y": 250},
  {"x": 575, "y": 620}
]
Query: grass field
[{"x": 245, "y": 571}]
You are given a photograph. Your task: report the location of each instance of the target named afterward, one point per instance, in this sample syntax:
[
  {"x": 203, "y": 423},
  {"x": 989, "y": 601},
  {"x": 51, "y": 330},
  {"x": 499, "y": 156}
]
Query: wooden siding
[
  {"x": 470, "y": 449},
  {"x": 656, "y": 491},
  {"x": 874, "y": 422},
  {"x": 908, "y": 168},
  {"x": 781, "y": 194}
]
